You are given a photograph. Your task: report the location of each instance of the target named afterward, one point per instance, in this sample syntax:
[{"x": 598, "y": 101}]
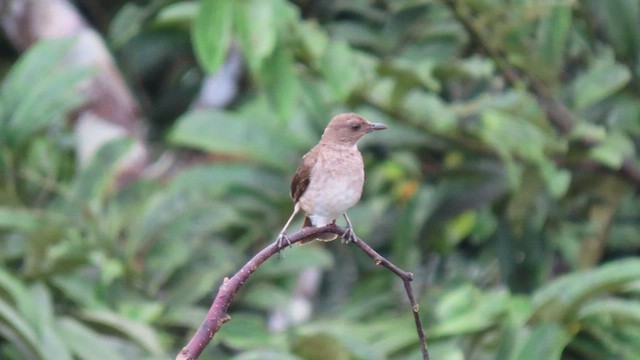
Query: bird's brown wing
[{"x": 302, "y": 176}]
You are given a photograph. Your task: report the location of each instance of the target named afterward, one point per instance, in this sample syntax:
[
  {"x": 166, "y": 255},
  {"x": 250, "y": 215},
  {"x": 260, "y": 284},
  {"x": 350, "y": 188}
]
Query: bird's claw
[
  {"x": 283, "y": 240},
  {"x": 348, "y": 235}
]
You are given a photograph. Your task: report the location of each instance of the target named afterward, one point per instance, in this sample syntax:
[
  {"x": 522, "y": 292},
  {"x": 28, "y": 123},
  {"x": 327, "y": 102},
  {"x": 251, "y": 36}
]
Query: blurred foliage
[{"x": 523, "y": 236}]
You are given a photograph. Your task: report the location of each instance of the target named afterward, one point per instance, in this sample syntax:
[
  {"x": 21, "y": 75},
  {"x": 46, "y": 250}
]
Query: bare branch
[
  {"x": 218, "y": 315},
  {"x": 406, "y": 277}
]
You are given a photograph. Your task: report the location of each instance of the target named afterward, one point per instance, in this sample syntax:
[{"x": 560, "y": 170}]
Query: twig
[
  {"x": 406, "y": 277},
  {"x": 218, "y": 315}
]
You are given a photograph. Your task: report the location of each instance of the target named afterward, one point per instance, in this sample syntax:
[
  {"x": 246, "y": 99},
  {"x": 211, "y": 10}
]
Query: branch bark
[{"x": 217, "y": 315}]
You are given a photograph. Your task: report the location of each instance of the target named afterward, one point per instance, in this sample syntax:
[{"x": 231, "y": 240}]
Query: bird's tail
[{"x": 320, "y": 237}]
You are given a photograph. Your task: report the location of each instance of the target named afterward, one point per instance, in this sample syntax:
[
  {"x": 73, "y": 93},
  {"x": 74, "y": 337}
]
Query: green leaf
[
  {"x": 256, "y": 24},
  {"x": 79, "y": 290},
  {"x": 320, "y": 346},
  {"x": 620, "y": 310},
  {"x": 391, "y": 334},
  {"x": 601, "y": 80},
  {"x": 613, "y": 150},
  {"x": 297, "y": 259},
  {"x": 466, "y": 310},
  {"x": 142, "y": 334},
  {"x": 619, "y": 19},
  {"x": 513, "y": 326},
  {"x": 44, "y": 319},
  {"x": 17, "y": 330},
  {"x": 338, "y": 69},
  {"x": 40, "y": 89},
  {"x": 357, "y": 33},
  {"x": 189, "y": 289},
  {"x": 15, "y": 292},
  {"x": 234, "y": 134},
  {"x": 314, "y": 40},
  {"x": 398, "y": 135},
  {"x": 553, "y": 32},
  {"x": 41, "y": 59},
  {"x": 85, "y": 343},
  {"x": 546, "y": 342},
  {"x": 18, "y": 219},
  {"x": 281, "y": 83},
  {"x": 590, "y": 132},
  {"x": 557, "y": 180},
  {"x": 442, "y": 350},
  {"x": 265, "y": 355},
  {"x": 184, "y": 316},
  {"x": 353, "y": 337},
  {"x": 188, "y": 199},
  {"x": 211, "y": 33},
  {"x": 196, "y": 221},
  {"x": 47, "y": 101},
  {"x": 266, "y": 296},
  {"x": 430, "y": 110},
  {"x": 126, "y": 24},
  {"x": 99, "y": 176},
  {"x": 460, "y": 227},
  {"x": 512, "y": 134},
  {"x": 561, "y": 299},
  {"x": 244, "y": 331},
  {"x": 179, "y": 13},
  {"x": 130, "y": 19}
]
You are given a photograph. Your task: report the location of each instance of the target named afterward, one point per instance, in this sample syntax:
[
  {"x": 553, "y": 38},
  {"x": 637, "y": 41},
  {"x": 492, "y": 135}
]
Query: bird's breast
[{"x": 335, "y": 185}]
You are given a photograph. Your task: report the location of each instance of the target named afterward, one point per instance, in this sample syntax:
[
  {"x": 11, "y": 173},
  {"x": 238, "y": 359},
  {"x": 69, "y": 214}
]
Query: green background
[{"x": 507, "y": 182}]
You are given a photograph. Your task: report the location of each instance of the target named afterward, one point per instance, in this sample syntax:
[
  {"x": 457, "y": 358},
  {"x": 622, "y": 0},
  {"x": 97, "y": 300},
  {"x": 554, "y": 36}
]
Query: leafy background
[{"x": 506, "y": 182}]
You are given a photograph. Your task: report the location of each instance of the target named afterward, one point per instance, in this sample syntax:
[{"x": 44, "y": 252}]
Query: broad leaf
[
  {"x": 211, "y": 33},
  {"x": 256, "y": 26},
  {"x": 237, "y": 135},
  {"x": 603, "y": 79},
  {"x": 142, "y": 334},
  {"x": 562, "y": 299},
  {"x": 99, "y": 176},
  {"x": 41, "y": 88},
  {"x": 547, "y": 341},
  {"x": 85, "y": 343}
]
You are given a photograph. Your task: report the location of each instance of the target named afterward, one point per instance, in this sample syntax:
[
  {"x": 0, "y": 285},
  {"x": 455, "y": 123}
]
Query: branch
[
  {"x": 217, "y": 315},
  {"x": 406, "y": 277}
]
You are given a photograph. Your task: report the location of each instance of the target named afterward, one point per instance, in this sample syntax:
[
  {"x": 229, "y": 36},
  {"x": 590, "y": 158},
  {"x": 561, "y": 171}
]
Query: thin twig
[
  {"x": 217, "y": 315},
  {"x": 406, "y": 277}
]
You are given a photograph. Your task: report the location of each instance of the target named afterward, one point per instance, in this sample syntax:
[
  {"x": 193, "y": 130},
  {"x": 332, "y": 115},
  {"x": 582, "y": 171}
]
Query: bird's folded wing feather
[{"x": 302, "y": 176}]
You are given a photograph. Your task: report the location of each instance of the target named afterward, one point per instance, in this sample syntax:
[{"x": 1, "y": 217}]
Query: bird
[{"x": 330, "y": 178}]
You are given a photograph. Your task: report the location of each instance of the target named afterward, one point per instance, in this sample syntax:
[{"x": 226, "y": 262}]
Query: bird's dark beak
[{"x": 377, "y": 126}]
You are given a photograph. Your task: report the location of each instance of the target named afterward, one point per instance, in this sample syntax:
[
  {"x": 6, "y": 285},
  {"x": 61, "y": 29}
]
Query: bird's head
[{"x": 347, "y": 129}]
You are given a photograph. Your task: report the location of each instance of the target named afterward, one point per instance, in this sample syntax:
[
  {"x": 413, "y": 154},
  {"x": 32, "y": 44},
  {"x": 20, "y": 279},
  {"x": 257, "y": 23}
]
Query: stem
[
  {"x": 406, "y": 277},
  {"x": 217, "y": 315}
]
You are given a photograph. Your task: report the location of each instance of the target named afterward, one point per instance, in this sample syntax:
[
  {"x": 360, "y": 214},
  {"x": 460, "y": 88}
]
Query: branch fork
[{"x": 217, "y": 315}]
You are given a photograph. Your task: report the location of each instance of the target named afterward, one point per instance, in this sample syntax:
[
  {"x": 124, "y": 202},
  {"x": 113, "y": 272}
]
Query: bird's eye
[{"x": 355, "y": 126}]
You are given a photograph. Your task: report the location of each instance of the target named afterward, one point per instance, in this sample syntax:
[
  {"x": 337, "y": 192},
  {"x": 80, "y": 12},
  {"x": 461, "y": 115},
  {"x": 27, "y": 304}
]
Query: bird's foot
[
  {"x": 283, "y": 240},
  {"x": 348, "y": 235}
]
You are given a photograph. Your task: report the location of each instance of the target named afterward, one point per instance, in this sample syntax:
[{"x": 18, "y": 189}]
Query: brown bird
[{"x": 330, "y": 178}]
